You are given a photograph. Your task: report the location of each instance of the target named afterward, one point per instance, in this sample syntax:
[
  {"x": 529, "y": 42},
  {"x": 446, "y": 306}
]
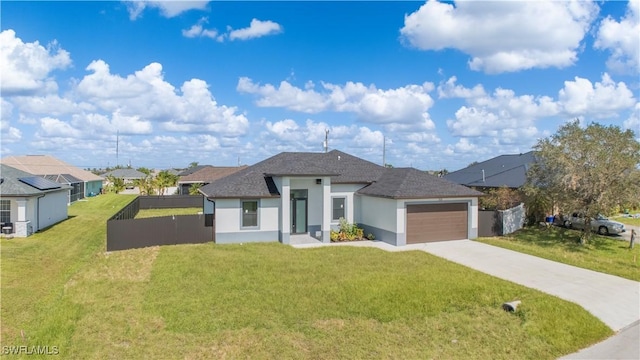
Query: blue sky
[{"x": 442, "y": 84}]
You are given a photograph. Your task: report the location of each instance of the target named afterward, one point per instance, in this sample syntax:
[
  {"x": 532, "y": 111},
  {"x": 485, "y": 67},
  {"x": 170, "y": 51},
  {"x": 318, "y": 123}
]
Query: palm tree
[
  {"x": 193, "y": 189},
  {"x": 165, "y": 179},
  {"x": 116, "y": 183}
]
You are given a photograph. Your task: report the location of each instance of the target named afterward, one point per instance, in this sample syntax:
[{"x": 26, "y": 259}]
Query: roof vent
[{"x": 338, "y": 157}]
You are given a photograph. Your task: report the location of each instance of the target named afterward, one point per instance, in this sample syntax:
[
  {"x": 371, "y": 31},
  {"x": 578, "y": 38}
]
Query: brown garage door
[{"x": 436, "y": 222}]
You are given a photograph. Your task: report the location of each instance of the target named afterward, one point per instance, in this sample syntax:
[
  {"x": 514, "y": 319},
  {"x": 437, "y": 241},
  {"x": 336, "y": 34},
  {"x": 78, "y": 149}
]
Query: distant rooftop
[{"x": 503, "y": 170}]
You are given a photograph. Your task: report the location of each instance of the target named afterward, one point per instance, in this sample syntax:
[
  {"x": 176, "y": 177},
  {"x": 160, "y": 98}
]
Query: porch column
[
  {"x": 326, "y": 209},
  {"x": 473, "y": 219},
  {"x": 22, "y": 209},
  {"x": 285, "y": 211},
  {"x": 22, "y": 226}
]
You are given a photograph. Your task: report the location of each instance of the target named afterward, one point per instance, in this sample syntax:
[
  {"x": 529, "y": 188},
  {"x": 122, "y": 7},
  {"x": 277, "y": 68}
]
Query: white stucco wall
[
  {"x": 378, "y": 212},
  {"x": 228, "y": 215},
  {"x": 52, "y": 209},
  {"x": 347, "y": 191}
]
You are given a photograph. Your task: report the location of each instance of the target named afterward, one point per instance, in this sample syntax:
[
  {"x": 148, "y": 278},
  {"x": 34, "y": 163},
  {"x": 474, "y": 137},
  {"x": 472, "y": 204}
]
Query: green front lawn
[
  {"x": 59, "y": 288},
  {"x": 627, "y": 220},
  {"x": 605, "y": 254}
]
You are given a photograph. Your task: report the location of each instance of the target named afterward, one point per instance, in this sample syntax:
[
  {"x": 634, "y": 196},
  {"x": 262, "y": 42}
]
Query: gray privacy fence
[
  {"x": 125, "y": 232},
  {"x": 501, "y": 222}
]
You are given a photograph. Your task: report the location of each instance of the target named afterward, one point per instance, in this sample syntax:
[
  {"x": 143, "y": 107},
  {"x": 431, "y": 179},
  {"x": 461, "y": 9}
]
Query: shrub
[{"x": 347, "y": 232}]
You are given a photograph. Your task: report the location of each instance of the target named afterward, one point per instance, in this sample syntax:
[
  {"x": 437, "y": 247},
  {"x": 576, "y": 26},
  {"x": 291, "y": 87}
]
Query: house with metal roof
[
  {"x": 504, "y": 170},
  {"x": 308, "y": 193},
  {"x": 29, "y": 203},
  {"x": 47, "y": 165}
]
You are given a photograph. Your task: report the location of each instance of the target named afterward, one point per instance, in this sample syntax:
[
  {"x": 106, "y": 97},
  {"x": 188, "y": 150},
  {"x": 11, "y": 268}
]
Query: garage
[{"x": 436, "y": 222}]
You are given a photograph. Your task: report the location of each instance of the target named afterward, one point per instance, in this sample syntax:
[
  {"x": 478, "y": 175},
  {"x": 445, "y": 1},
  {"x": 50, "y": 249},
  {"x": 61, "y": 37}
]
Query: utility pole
[
  {"x": 117, "y": 140},
  {"x": 384, "y": 150},
  {"x": 326, "y": 140}
]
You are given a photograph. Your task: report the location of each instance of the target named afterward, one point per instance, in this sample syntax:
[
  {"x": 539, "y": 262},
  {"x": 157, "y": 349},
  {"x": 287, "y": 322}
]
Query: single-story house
[
  {"x": 44, "y": 165},
  {"x": 30, "y": 203},
  {"x": 504, "y": 170},
  {"x": 204, "y": 175},
  {"x": 77, "y": 186},
  {"x": 307, "y": 193}
]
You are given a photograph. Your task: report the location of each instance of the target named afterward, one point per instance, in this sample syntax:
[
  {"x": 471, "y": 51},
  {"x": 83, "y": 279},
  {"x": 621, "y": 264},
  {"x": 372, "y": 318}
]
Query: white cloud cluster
[
  {"x": 145, "y": 97},
  {"x": 406, "y": 105},
  {"x": 503, "y": 36},
  {"x": 288, "y": 135},
  {"x": 198, "y": 30},
  {"x": 602, "y": 99},
  {"x": 509, "y": 117},
  {"x": 256, "y": 29},
  {"x": 168, "y": 8},
  {"x": 621, "y": 39},
  {"x": 88, "y": 115},
  {"x": 502, "y": 114},
  {"x": 26, "y": 67}
]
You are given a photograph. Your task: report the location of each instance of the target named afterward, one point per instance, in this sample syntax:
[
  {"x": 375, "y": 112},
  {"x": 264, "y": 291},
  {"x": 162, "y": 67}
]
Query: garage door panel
[{"x": 436, "y": 222}]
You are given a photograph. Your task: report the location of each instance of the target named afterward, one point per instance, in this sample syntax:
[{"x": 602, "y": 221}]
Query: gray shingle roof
[
  {"x": 11, "y": 186},
  {"x": 410, "y": 183},
  {"x": 125, "y": 174},
  {"x": 257, "y": 181},
  {"x": 503, "y": 170}
]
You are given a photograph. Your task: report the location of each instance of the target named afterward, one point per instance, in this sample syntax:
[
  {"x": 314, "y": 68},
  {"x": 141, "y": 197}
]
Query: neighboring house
[
  {"x": 128, "y": 175},
  {"x": 46, "y": 165},
  {"x": 308, "y": 193},
  {"x": 30, "y": 203},
  {"x": 503, "y": 170},
  {"x": 77, "y": 186},
  {"x": 204, "y": 175}
]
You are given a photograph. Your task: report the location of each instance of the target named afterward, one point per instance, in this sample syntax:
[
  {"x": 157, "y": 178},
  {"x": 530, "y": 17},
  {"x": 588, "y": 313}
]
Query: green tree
[
  {"x": 165, "y": 179},
  {"x": 145, "y": 184},
  {"x": 193, "y": 164},
  {"x": 589, "y": 170},
  {"x": 193, "y": 189},
  {"x": 116, "y": 184}
]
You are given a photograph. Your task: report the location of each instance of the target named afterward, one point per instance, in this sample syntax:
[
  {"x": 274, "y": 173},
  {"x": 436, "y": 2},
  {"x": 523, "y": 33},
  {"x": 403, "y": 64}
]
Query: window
[
  {"x": 338, "y": 208},
  {"x": 250, "y": 213},
  {"x": 5, "y": 211}
]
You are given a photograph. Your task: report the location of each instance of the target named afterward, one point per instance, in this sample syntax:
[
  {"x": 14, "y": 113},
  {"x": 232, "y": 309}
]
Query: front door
[{"x": 298, "y": 211}]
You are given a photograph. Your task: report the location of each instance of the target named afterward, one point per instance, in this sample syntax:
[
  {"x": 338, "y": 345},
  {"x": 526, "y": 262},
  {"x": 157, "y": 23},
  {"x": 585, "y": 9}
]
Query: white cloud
[
  {"x": 406, "y": 105},
  {"x": 288, "y": 135},
  {"x": 286, "y": 95},
  {"x": 503, "y": 36},
  {"x": 198, "y": 30},
  {"x": 51, "y": 127},
  {"x": 256, "y": 29},
  {"x": 501, "y": 114},
  {"x": 146, "y": 95},
  {"x": 633, "y": 122},
  {"x": 8, "y": 133},
  {"x": 621, "y": 39},
  {"x": 602, "y": 99},
  {"x": 26, "y": 67},
  {"x": 168, "y": 8}
]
